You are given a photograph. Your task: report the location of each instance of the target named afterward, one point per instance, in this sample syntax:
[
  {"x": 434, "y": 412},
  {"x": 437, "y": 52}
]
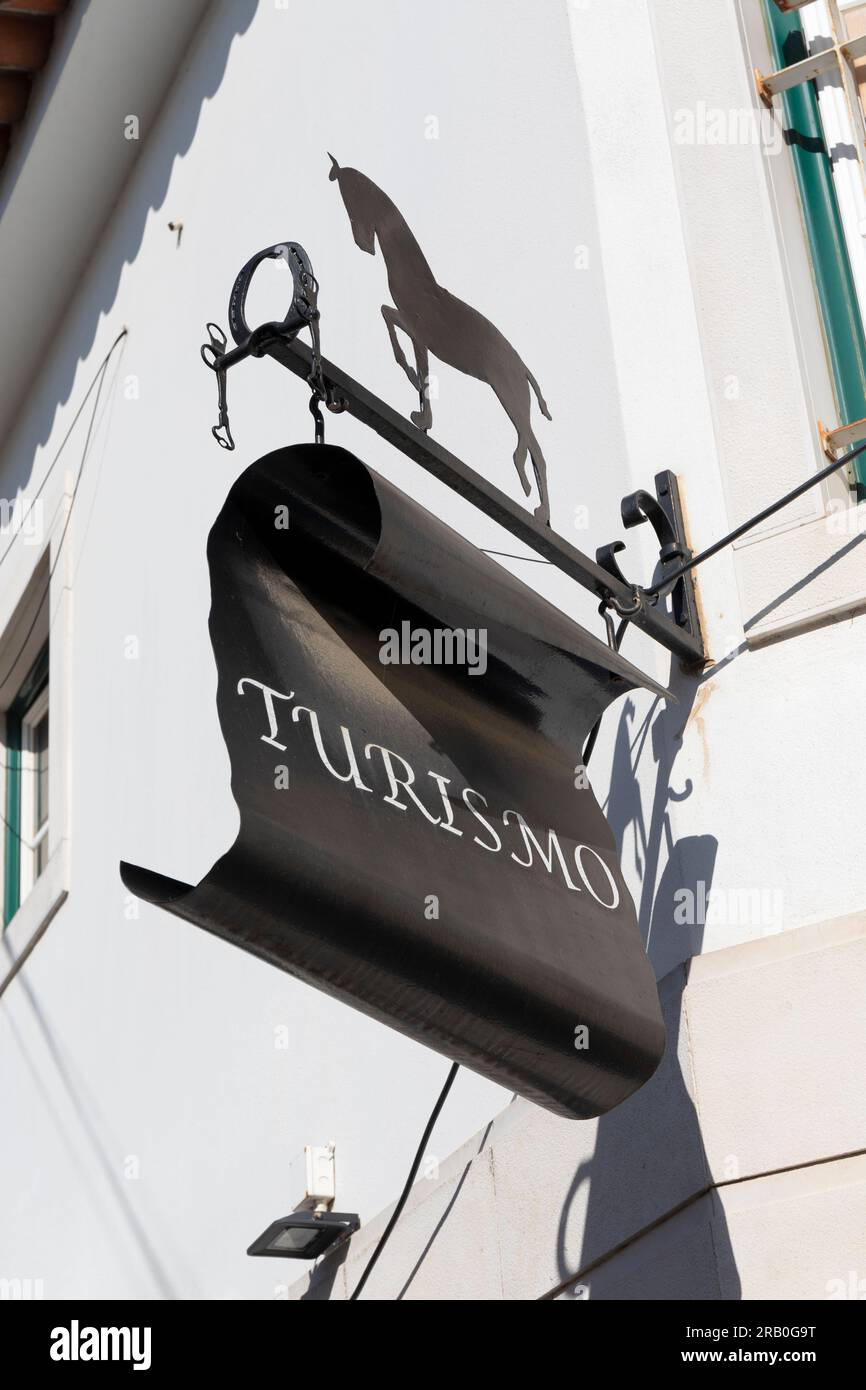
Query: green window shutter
[
  {"x": 35, "y": 683},
  {"x": 843, "y": 324}
]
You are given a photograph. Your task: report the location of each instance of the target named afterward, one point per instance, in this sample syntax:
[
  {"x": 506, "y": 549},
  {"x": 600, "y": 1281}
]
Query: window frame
[
  {"x": 34, "y": 840},
  {"x": 835, "y": 284},
  {"x": 18, "y": 848},
  {"x": 757, "y": 317},
  {"x": 35, "y": 608}
]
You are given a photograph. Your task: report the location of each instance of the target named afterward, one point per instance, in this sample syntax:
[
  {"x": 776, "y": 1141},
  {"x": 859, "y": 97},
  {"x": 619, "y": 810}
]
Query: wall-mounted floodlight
[
  {"x": 312, "y": 1228},
  {"x": 304, "y": 1235}
]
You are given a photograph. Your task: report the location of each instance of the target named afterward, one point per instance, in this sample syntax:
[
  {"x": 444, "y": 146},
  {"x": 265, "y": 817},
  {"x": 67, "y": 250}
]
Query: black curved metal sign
[{"x": 404, "y": 722}]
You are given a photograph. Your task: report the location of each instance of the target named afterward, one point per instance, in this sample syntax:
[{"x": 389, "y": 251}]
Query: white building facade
[{"x": 607, "y": 181}]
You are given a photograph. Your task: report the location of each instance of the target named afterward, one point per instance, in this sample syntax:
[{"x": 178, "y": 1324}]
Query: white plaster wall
[
  {"x": 737, "y": 1172},
  {"x": 144, "y": 1036}
]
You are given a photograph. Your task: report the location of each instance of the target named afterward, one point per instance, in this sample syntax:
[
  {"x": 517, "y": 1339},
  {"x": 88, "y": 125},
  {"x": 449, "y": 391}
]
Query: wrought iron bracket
[
  {"x": 679, "y": 631},
  {"x": 303, "y": 312},
  {"x": 664, "y": 513},
  {"x": 338, "y": 391}
]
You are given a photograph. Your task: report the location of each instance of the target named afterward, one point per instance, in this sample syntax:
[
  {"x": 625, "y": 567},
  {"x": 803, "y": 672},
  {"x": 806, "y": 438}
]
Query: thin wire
[
  {"x": 99, "y": 379},
  {"x": 74, "y": 421},
  {"x": 404, "y": 1195},
  {"x": 16, "y": 834},
  {"x": 534, "y": 559}
]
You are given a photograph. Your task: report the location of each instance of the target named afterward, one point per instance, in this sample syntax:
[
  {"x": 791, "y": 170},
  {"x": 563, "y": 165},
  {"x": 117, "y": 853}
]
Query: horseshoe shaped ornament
[{"x": 303, "y": 312}]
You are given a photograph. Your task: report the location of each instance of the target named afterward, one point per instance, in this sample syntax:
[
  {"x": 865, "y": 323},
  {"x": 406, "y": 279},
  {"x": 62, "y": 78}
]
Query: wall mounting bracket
[{"x": 664, "y": 513}]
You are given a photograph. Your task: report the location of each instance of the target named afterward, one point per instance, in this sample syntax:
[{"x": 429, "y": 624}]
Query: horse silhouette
[{"x": 438, "y": 323}]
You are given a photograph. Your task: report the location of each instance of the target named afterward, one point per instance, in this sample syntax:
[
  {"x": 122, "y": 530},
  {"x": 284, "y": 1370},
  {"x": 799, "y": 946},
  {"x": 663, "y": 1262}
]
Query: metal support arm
[
  {"x": 328, "y": 383},
  {"x": 449, "y": 469}
]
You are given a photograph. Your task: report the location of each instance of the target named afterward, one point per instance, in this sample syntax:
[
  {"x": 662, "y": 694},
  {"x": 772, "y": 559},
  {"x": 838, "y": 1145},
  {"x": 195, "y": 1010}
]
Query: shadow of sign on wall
[{"x": 438, "y": 323}]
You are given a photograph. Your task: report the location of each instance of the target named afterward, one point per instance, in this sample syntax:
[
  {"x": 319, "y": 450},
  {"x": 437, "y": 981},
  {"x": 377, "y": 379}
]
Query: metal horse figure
[{"x": 437, "y": 322}]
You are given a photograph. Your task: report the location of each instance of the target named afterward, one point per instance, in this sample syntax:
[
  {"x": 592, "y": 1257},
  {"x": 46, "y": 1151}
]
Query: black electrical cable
[{"x": 404, "y": 1195}]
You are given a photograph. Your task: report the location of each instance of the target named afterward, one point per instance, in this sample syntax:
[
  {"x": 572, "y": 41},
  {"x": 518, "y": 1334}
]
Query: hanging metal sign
[{"x": 417, "y": 835}]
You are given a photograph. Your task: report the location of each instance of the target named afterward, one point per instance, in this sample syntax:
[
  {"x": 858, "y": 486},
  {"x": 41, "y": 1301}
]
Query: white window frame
[
  {"x": 31, "y": 839},
  {"x": 843, "y": 129},
  {"x": 25, "y": 572},
  {"x": 804, "y": 566}
]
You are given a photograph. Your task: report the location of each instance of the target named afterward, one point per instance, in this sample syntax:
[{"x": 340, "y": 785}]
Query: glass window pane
[{"x": 40, "y": 789}]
